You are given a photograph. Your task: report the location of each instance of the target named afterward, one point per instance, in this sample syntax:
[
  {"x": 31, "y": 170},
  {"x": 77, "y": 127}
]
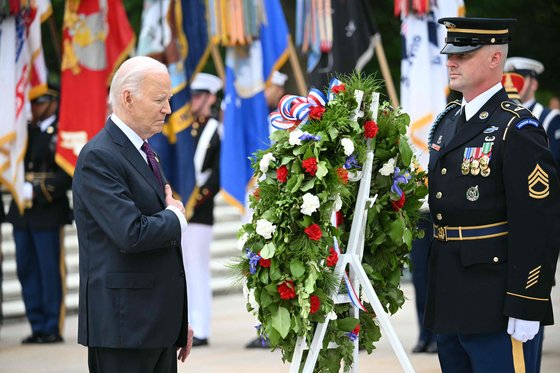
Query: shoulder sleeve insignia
[
  {"x": 527, "y": 122},
  {"x": 538, "y": 183}
]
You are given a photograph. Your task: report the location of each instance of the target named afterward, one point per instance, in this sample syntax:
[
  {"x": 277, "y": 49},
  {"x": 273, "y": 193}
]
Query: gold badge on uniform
[
  {"x": 472, "y": 193},
  {"x": 538, "y": 183},
  {"x": 483, "y": 115}
]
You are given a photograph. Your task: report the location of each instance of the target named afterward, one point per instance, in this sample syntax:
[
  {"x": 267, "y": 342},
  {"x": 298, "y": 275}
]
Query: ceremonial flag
[
  {"x": 424, "y": 72},
  {"x": 183, "y": 40},
  {"x": 340, "y": 40},
  {"x": 38, "y": 77},
  {"x": 246, "y": 128},
  {"x": 15, "y": 64},
  {"x": 96, "y": 39}
]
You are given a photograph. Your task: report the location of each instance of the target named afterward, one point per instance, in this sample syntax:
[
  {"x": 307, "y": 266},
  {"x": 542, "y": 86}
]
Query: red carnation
[
  {"x": 370, "y": 129},
  {"x": 397, "y": 205},
  {"x": 313, "y": 232},
  {"x": 339, "y": 218},
  {"x": 310, "y": 165},
  {"x": 257, "y": 194},
  {"x": 286, "y": 290},
  {"x": 265, "y": 263},
  {"x": 316, "y": 112},
  {"x": 356, "y": 330},
  {"x": 315, "y": 303},
  {"x": 342, "y": 175},
  {"x": 282, "y": 173},
  {"x": 338, "y": 88},
  {"x": 332, "y": 259}
]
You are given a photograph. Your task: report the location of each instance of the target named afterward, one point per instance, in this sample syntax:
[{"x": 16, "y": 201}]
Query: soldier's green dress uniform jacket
[{"x": 505, "y": 267}]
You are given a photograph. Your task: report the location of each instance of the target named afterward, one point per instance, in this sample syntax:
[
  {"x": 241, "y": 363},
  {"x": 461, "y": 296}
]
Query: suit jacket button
[
  {"x": 443, "y": 171},
  {"x": 495, "y": 259},
  {"x": 438, "y": 195},
  {"x": 439, "y": 216},
  {"x": 173, "y": 242}
]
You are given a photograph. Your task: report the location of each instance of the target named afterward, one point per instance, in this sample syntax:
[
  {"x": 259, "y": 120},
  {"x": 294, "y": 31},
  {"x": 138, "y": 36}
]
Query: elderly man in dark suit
[{"x": 133, "y": 305}]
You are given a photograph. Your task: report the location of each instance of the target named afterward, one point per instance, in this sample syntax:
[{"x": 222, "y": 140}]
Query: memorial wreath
[{"x": 304, "y": 202}]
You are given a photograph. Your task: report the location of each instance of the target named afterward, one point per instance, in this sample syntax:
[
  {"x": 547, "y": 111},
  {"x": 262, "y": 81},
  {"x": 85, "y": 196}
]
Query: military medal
[
  {"x": 485, "y": 159},
  {"x": 466, "y": 165},
  {"x": 475, "y": 163}
]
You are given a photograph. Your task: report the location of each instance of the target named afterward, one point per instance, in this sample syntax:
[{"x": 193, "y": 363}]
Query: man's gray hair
[{"x": 130, "y": 75}]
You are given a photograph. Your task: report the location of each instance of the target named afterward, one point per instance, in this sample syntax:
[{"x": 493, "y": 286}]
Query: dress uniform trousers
[
  {"x": 487, "y": 353},
  {"x": 38, "y": 257},
  {"x": 196, "y": 242}
]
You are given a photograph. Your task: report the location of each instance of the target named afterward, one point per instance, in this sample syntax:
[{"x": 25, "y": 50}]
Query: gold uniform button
[
  {"x": 495, "y": 259},
  {"x": 438, "y": 195},
  {"x": 439, "y": 216},
  {"x": 443, "y": 171}
]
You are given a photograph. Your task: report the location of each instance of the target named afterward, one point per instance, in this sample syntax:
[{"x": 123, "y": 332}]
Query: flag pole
[
  {"x": 382, "y": 59},
  {"x": 296, "y": 68},
  {"x": 218, "y": 63},
  {"x": 55, "y": 40}
]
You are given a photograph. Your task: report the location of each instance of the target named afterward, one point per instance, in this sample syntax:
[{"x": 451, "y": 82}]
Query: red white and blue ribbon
[
  {"x": 334, "y": 82},
  {"x": 293, "y": 111},
  {"x": 352, "y": 294}
]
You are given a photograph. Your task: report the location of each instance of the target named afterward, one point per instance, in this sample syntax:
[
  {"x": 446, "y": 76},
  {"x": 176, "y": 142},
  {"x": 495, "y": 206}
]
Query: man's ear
[{"x": 127, "y": 98}]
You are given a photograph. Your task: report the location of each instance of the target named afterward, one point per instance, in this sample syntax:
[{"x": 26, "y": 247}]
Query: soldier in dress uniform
[
  {"x": 495, "y": 202},
  {"x": 206, "y": 131},
  {"x": 38, "y": 233},
  {"x": 530, "y": 69}
]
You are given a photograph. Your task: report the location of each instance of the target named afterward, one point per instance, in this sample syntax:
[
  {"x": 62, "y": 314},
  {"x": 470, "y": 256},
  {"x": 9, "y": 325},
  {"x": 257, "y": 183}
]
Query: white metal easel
[{"x": 358, "y": 277}]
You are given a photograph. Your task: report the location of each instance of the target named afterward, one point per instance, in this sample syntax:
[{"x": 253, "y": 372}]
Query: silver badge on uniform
[
  {"x": 483, "y": 115},
  {"x": 490, "y": 129},
  {"x": 472, "y": 193}
]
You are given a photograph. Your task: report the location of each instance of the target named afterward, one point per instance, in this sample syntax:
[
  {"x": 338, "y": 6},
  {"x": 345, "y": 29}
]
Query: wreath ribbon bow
[{"x": 293, "y": 110}]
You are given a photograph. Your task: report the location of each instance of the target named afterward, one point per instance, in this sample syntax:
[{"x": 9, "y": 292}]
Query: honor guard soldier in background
[
  {"x": 38, "y": 233},
  {"x": 530, "y": 69},
  {"x": 206, "y": 131},
  {"x": 495, "y": 202}
]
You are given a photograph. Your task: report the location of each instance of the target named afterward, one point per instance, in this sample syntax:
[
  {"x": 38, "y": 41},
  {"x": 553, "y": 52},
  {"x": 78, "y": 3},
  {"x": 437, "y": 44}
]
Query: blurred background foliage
[{"x": 535, "y": 35}]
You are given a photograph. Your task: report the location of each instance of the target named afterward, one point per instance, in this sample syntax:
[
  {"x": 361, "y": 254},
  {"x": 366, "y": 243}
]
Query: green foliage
[{"x": 308, "y": 198}]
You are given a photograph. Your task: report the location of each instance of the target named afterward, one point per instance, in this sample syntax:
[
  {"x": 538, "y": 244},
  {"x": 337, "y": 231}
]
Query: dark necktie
[
  {"x": 460, "y": 121},
  {"x": 152, "y": 162}
]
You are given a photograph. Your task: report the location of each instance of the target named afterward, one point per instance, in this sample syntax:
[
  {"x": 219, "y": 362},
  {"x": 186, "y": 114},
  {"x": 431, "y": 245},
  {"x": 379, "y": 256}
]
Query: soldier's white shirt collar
[
  {"x": 529, "y": 103},
  {"x": 471, "y": 108},
  {"x": 132, "y": 136},
  {"x": 46, "y": 123}
]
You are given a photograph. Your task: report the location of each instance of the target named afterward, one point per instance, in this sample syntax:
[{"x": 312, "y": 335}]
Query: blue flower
[
  {"x": 399, "y": 179},
  {"x": 351, "y": 162},
  {"x": 253, "y": 261},
  {"x": 308, "y": 136},
  {"x": 352, "y": 336}
]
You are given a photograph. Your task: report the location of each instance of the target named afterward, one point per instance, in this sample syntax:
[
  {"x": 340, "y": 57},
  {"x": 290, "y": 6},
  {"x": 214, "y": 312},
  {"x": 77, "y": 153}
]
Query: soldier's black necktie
[
  {"x": 460, "y": 121},
  {"x": 152, "y": 162}
]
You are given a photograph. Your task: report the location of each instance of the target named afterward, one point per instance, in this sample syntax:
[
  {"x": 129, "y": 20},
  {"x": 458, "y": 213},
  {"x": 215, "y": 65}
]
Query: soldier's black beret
[{"x": 466, "y": 34}]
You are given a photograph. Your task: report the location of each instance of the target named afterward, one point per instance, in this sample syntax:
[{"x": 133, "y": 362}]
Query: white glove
[
  {"x": 523, "y": 330},
  {"x": 27, "y": 192}
]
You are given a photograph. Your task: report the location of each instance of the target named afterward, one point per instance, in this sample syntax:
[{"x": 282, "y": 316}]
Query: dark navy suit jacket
[{"x": 132, "y": 285}]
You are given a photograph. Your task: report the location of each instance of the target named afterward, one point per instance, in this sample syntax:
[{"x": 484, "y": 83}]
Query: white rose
[
  {"x": 332, "y": 315},
  {"x": 241, "y": 241},
  {"x": 388, "y": 168},
  {"x": 265, "y": 228},
  {"x": 295, "y": 137},
  {"x": 310, "y": 204},
  {"x": 265, "y": 161},
  {"x": 348, "y": 146},
  {"x": 337, "y": 203}
]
